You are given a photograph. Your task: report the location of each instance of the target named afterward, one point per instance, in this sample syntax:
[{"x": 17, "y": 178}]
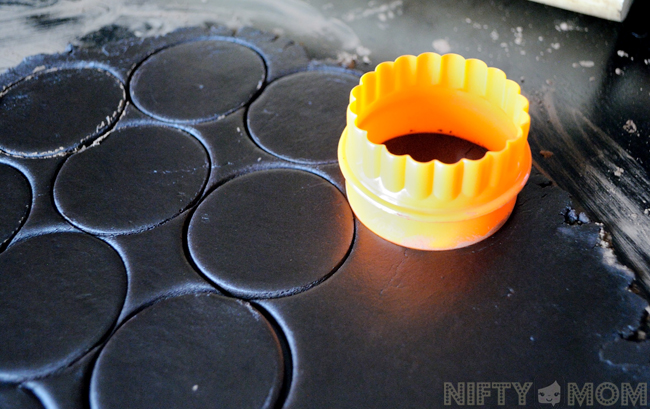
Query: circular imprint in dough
[
  {"x": 14, "y": 205},
  {"x": 137, "y": 178},
  {"x": 60, "y": 294},
  {"x": 301, "y": 117},
  {"x": 57, "y": 111},
  {"x": 197, "y": 81},
  {"x": 192, "y": 351},
  {"x": 271, "y": 233}
]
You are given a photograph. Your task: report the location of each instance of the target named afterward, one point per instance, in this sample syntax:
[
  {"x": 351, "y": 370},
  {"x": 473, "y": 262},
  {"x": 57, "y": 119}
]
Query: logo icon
[{"x": 549, "y": 395}]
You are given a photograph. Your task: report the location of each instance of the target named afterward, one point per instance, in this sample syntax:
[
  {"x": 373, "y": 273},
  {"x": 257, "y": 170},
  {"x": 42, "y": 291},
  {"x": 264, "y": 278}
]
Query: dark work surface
[{"x": 123, "y": 283}]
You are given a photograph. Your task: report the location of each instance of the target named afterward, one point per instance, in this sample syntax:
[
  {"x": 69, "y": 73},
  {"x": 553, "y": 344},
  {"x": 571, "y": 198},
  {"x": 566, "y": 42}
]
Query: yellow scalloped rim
[{"x": 436, "y": 94}]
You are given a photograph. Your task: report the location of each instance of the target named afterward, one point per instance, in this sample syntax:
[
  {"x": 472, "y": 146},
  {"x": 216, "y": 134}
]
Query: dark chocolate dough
[
  {"x": 197, "y": 81},
  {"x": 60, "y": 294},
  {"x": 56, "y": 111},
  {"x": 67, "y": 388},
  {"x": 271, "y": 233},
  {"x": 539, "y": 301},
  {"x": 425, "y": 147},
  {"x": 301, "y": 117},
  {"x": 193, "y": 351},
  {"x": 532, "y": 303},
  {"x": 137, "y": 178},
  {"x": 157, "y": 265},
  {"x": 12, "y": 397},
  {"x": 14, "y": 205}
]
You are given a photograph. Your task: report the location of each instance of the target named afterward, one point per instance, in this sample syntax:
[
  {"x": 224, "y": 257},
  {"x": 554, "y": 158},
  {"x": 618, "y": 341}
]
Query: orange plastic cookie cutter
[{"x": 434, "y": 205}]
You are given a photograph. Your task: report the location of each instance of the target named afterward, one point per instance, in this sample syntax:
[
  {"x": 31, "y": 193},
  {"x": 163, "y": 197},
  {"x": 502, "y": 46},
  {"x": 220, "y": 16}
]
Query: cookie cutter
[{"x": 434, "y": 205}]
